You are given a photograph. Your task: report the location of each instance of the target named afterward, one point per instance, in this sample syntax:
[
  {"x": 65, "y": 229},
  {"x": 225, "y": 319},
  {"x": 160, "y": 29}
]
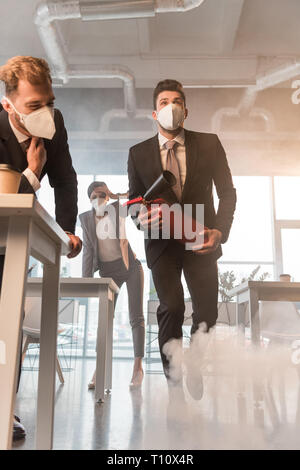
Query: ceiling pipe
[
  {"x": 268, "y": 80},
  {"x": 264, "y": 114},
  {"x": 104, "y": 131},
  {"x": 50, "y": 11},
  {"x": 278, "y": 75},
  {"x": 116, "y": 10},
  {"x": 109, "y": 116},
  {"x": 167, "y": 6},
  {"x": 45, "y": 15},
  {"x": 248, "y": 99},
  {"x": 109, "y": 71},
  {"x": 112, "y": 10}
]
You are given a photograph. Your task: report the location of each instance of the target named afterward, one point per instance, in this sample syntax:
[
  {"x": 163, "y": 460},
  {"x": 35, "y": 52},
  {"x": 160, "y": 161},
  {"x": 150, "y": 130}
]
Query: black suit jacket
[
  {"x": 206, "y": 164},
  {"x": 61, "y": 174}
]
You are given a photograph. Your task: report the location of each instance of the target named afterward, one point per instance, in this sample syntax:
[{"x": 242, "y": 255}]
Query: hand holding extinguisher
[{"x": 153, "y": 215}]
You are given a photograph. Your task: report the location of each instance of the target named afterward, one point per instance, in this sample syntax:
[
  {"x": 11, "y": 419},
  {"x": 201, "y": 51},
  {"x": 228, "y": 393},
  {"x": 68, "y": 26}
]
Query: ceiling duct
[
  {"x": 105, "y": 132},
  {"x": 265, "y": 115},
  {"x": 245, "y": 106},
  {"x": 112, "y": 10},
  {"x": 268, "y": 80},
  {"x": 110, "y": 71},
  {"x": 49, "y": 12}
]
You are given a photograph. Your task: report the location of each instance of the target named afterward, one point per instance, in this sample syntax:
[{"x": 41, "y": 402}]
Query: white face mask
[
  {"x": 39, "y": 123},
  {"x": 99, "y": 204},
  {"x": 171, "y": 117}
]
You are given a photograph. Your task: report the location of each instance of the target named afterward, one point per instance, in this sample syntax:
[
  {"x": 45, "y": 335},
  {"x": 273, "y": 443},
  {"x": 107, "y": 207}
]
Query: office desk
[
  {"x": 104, "y": 289},
  {"x": 252, "y": 292},
  {"x": 27, "y": 229}
]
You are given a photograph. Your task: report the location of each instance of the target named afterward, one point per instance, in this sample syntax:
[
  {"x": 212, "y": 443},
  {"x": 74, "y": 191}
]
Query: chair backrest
[
  {"x": 152, "y": 309},
  {"x": 32, "y": 320},
  {"x": 226, "y": 313},
  {"x": 280, "y": 319}
]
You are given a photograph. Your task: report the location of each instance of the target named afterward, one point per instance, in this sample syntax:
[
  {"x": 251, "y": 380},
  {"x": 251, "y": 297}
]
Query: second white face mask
[
  {"x": 99, "y": 205},
  {"x": 171, "y": 116},
  {"x": 39, "y": 123}
]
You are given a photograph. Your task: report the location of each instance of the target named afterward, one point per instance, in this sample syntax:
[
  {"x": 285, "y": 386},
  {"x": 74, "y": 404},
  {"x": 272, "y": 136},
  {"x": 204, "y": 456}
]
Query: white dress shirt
[
  {"x": 179, "y": 150},
  {"x": 33, "y": 180},
  {"x": 109, "y": 247}
]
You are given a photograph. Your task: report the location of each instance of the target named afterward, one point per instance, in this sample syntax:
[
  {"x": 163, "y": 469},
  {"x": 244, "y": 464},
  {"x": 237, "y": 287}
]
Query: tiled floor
[{"x": 227, "y": 417}]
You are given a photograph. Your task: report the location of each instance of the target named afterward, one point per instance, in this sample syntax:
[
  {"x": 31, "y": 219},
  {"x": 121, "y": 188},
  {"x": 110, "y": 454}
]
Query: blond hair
[{"x": 36, "y": 71}]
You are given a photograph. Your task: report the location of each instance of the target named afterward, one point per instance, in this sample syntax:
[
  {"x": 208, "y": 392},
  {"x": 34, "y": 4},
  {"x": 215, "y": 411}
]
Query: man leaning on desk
[{"x": 34, "y": 140}]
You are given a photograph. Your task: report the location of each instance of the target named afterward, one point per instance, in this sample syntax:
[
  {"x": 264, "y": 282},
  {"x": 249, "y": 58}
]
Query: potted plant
[
  {"x": 227, "y": 281},
  {"x": 226, "y": 307}
]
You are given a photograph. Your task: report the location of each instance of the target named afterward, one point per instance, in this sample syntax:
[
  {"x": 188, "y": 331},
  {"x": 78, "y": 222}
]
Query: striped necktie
[
  {"x": 25, "y": 145},
  {"x": 173, "y": 166}
]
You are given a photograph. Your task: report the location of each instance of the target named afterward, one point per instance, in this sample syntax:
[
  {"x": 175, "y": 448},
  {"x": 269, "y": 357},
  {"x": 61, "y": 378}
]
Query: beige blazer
[{"x": 90, "y": 257}]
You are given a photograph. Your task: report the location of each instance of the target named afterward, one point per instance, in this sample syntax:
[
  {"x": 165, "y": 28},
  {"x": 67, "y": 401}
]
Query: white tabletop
[
  {"x": 74, "y": 286},
  {"x": 27, "y": 204},
  {"x": 265, "y": 286}
]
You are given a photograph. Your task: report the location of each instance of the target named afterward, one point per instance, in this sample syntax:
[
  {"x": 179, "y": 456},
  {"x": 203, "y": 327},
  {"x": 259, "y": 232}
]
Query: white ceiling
[{"x": 221, "y": 42}]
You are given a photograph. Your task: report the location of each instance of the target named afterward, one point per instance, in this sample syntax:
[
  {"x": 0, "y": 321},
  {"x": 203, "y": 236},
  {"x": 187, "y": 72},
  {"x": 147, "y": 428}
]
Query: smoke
[{"x": 241, "y": 406}]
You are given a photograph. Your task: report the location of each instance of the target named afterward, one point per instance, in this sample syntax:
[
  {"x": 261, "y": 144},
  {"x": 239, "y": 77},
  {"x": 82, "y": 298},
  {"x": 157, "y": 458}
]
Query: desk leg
[
  {"x": 11, "y": 315},
  {"x": 241, "y": 317},
  {"x": 258, "y": 386},
  {"x": 102, "y": 333},
  {"x": 254, "y": 317},
  {"x": 108, "y": 368},
  {"x": 47, "y": 367},
  {"x": 241, "y": 324}
]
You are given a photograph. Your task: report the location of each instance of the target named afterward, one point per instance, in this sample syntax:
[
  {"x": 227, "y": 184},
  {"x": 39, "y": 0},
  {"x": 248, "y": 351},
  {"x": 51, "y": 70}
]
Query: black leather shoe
[{"x": 18, "y": 431}]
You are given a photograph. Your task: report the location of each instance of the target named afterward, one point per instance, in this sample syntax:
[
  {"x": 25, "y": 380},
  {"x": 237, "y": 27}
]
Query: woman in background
[{"x": 106, "y": 248}]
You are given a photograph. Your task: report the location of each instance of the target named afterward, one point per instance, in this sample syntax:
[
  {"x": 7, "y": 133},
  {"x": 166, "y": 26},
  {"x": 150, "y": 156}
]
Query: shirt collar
[
  {"x": 180, "y": 138},
  {"x": 19, "y": 136}
]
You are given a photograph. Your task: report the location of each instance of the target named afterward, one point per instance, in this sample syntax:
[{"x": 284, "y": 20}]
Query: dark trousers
[
  {"x": 202, "y": 282},
  {"x": 2, "y": 258}
]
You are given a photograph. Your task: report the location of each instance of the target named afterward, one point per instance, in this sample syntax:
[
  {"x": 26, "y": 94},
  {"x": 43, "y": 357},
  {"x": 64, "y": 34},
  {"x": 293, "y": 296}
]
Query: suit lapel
[
  {"x": 191, "y": 156},
  {"x": 117, "y": 209},
  {"x": 92, "y": 231},
  {"x": 17, "y": 157},
  {"x": 156, "y": 158}
]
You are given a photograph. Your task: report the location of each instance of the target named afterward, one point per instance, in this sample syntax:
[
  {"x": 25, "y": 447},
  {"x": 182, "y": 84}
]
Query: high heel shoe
[{"x": 91, "y": 385}]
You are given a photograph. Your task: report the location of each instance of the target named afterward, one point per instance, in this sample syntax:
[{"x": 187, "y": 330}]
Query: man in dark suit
[
  {"x": 28, "y": 90},
  {"x": 198, "y": 160},
  {"x": 33, "y": 139}
]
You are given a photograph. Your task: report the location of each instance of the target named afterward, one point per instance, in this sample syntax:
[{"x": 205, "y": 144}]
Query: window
[
  {"x": 287, "y": 224},
  {"x": 251, "y": 233},
  {"x": 287, "y": 197},
  {"x": 291, "y": 252}
]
